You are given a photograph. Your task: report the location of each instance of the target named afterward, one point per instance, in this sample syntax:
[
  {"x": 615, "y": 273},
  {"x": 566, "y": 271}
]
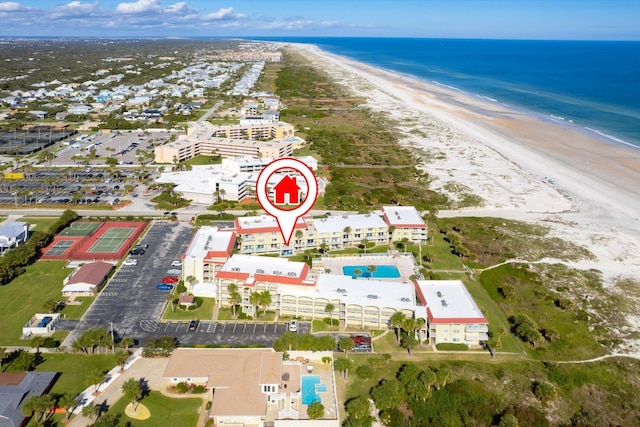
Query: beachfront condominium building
[
  {"x": 405, "y": 223},
  {"x": 297, "y": 292},
  {"x": 265, "y": 139},
  {"x": 260, "y": 235},
  {"x": 452, "y": 314}
]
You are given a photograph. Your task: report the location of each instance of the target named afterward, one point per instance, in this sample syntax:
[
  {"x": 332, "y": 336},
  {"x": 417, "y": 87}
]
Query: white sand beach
[{"x": 523, "y": 167}]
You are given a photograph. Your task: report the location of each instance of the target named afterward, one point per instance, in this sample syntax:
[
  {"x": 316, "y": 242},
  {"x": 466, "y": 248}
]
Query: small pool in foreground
[
  {"x": 309, "y": 389},
  {"x": 381, "y": 272}
]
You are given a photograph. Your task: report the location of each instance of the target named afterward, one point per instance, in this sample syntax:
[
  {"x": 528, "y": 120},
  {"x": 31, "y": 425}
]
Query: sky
[{"x": 501, "y": 19}]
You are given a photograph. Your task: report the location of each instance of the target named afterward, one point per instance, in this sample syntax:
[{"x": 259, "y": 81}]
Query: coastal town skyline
[{"x": 485, "y": 19}]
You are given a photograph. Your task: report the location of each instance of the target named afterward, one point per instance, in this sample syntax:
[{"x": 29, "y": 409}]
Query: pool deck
[
  {"x": 291, "y": 385},
  {"x": 404, "y": 263}
]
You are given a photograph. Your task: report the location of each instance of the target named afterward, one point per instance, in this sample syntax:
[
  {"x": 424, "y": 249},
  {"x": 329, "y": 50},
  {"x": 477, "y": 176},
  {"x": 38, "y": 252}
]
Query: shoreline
[{"x": 583, "y": 188}]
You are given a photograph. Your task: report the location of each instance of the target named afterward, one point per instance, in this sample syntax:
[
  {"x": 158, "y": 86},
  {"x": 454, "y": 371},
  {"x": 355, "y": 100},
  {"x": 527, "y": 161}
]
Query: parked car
[
  {"x": 174, "y": 272},
  {"x": 164, "y": 287},
  {"x": 130, "y": 261},
  {"x": 361, "y": 339},
  {"x": 176, "y": 263},
  {"x": 293, "y": 326},
  {"x": 136, "y": 251},
  {"x": 193, "y": 325},
  {"x": 170, "y": 279},
  {"x": 142, "y": 245}
]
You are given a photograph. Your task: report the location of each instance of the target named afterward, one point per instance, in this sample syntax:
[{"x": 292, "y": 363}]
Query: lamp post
[{"x": 113, "y": 342}]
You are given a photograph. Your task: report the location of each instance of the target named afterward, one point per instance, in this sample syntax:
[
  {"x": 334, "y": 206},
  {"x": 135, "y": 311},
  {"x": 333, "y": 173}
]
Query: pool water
[
  {"x": 309, "y": 389},
  {"x": 381, "y": 272}
]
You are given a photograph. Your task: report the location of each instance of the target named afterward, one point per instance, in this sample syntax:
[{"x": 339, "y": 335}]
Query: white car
[
  {"x": 293, "y": 326},
  {"x": 176, "y": 263},
  {"x": 130, "y": 261}
]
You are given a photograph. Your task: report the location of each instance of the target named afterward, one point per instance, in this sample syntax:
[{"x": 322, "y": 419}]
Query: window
[
  {"x": 456, "y": 340},
  {"x": 456, "y": 331}
]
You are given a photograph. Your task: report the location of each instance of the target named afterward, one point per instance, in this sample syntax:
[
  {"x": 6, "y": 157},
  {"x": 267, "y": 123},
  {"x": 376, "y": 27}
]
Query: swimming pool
[
  {"x": 381, "y": 271},
  {"x": 309, "y": 389}
]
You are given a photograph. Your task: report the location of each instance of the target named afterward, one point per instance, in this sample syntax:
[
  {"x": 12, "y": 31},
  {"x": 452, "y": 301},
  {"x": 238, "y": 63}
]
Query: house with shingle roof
[{"x": 86, "y": 280}]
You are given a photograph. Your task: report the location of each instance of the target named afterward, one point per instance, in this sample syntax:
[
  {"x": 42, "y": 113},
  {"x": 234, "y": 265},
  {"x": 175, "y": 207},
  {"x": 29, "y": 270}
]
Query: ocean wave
[
  {"x": 560, "y": 118},
  {"x": 447, "y": 86},
  {"x": 612, "y": 138},
  {"x": 487, "y": 98}
]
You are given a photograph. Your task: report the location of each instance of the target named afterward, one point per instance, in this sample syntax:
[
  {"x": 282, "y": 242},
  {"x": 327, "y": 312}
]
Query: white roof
[
  {"x": 261, "y": 221},
  {"x": 253, "y": 264},
  {"x": 12, "y": 229},
  {"x": 334, "y": 224},
  {"x": 208, "y": 239},
  {"x": 378, "y": 293},
  {"x": 458, "y": 303},
  {"x": 402, "y": 215}
]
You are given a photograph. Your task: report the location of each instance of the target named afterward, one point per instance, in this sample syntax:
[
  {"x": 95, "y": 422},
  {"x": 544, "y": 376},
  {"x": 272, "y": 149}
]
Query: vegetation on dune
[{"x": 367, "y": 166}]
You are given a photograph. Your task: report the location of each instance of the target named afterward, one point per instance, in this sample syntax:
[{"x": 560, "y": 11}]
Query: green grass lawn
[
  {"x": 73, "y": 369},
  {"x": 164, "y": 410},
  {"x": 76, "y": 311},
  {"x": 25, "y": 296},
  {"x": 201, "y": 160},
  {"x": 321, "y": 325},
  {"x": 39, "y": 223},
  {"x": 204, "y": 312}
]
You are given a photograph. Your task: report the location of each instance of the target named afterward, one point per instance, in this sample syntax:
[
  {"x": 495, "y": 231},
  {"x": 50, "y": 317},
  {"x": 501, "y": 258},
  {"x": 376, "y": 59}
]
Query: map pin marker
[{"x": 287, "y": 191}]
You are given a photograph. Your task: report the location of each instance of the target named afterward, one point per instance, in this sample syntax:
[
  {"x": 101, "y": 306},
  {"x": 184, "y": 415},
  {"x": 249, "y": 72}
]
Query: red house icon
[{"x": 287, "y": 186}]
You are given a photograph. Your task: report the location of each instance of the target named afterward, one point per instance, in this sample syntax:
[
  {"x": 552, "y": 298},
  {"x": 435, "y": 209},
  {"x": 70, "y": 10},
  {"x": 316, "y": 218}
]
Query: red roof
[{"x": 92, "y": 273}]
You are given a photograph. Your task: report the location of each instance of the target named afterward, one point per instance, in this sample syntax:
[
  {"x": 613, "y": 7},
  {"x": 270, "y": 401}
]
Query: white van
[{"x": 293, "y": 326}]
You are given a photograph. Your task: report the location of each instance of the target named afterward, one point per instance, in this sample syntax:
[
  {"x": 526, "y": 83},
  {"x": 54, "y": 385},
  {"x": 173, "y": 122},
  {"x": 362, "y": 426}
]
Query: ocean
[{"x": 594, "y": 85}]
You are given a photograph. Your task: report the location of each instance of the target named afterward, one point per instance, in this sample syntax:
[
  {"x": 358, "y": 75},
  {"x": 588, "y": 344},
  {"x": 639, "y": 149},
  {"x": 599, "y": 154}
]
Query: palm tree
[
  {"x": 132, "y": 392},
  {"x": 364, "y": 243},
  {"x": 329, "y": 308},
  {"x": 397, "y": 320},
  {"x": 357, "y": 272},
  {"x": 254, "y": 299},
  {"x": 37, "y": 342},
  {"x": 420, "y": 322},
  {"x": 371, "y": 269},
  {"x": 191, "y": 279},
  {"x": 95, "y": 378},
  {"x": 234, "y": 297},
  {"x": 409, "y": 326},
  {"x": 265, "y": 300},
  {"x": 68, "y": 402}
]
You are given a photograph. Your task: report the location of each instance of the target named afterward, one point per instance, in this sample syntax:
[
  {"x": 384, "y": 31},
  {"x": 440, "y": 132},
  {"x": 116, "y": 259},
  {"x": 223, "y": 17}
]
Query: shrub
[
  {"x": 364, "y": 372},
  {"x": 209, "y": 405},
  {"x": 452, "y": 346},
  {"x": 199, "y": 389},
  {"x": 181, "y": 388}
]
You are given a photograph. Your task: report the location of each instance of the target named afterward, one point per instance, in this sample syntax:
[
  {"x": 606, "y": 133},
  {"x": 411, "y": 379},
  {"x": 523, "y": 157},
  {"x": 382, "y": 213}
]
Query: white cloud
[
  {"x": 12, "y": 6},
  {"x": 223, "y": 14},
  {"x": 140, "y": 6},
  {"x": 180, "y": 8},
  {"x": 77, "y": 8}
]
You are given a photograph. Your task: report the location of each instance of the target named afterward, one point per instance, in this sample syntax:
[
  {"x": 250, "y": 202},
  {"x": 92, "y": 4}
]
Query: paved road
[{"x": 210, "y": 112}]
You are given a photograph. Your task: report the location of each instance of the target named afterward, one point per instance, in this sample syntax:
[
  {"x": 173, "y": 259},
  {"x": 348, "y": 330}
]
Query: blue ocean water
[{"x": 592, "y": 84}]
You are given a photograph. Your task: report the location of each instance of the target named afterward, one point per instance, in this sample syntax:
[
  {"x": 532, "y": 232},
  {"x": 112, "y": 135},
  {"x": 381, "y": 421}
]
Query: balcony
[{"x": 473, "y": 329}]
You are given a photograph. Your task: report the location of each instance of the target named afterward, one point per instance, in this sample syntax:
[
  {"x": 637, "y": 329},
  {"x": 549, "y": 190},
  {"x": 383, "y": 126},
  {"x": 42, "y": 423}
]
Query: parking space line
[
  {"x": 265, "y": 328},
  {"x": 255, "y": 325},
  {"x": 178, "y": 326},
  {"x": 215, "y": 325},
  {"x": 224, "y": 326},
  {"x": 198, "y": 328},
  {"x": 275, "y": 328},
  {"x": 234, "y": 328},
  {"x": 167, "y": 326},
  {"x": 244, "y": 329}
]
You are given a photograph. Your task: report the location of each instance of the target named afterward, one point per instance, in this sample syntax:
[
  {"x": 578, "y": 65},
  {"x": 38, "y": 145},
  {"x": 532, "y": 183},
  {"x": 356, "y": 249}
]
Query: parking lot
[
  {"x": 130, "y": 300},
  {"x": 122, "y": 145},
  {"x": 58, "y": 186}
]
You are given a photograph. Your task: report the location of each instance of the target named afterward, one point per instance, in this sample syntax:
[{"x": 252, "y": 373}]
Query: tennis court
[
  {"x": 81, "y": 229},
  {"x": 60, "y": 247},
  {"x": 112, "y": 240}
]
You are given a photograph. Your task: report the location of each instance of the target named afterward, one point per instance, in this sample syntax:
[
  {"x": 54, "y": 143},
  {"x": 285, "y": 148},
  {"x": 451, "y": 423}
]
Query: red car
[{"x": 170, "y": 279}]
